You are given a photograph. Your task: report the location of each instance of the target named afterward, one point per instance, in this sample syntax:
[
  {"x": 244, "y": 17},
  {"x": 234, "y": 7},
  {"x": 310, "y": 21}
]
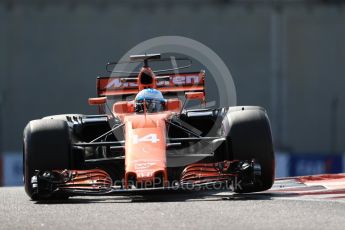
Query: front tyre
[
  {"x": 46, "y": 146},
  {"x": 249, "y": 133}
]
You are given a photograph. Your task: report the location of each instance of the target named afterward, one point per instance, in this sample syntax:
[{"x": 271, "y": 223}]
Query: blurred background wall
[{"x": 287, "y": 56}]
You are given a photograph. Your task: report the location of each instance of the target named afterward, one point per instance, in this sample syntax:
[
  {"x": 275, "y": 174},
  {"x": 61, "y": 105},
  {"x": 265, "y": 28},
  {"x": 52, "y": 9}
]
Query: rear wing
[{"x": 166, "y": 83}]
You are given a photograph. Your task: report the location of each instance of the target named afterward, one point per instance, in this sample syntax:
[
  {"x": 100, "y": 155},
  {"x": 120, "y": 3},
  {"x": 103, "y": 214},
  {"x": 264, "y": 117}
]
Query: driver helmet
[{"x": 153, "y": 100}]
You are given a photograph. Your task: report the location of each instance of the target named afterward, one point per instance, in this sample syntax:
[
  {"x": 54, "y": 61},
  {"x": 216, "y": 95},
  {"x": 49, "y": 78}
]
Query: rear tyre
[
  {"x": 249, "y": 137},
  {"x": 46, "y": 146}
]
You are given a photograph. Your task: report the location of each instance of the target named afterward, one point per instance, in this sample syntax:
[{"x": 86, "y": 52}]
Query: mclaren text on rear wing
[{"x": 182, "y": 82}]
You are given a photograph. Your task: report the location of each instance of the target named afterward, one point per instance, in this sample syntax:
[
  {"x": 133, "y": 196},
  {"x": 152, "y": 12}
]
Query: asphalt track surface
[{"x": 203, "y": 210}]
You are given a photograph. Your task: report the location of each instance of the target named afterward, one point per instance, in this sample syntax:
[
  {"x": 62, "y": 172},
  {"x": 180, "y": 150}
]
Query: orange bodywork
[
  {"x": 97, "y": 100},
  {"x": 145, "y": 133},
  {"x": 145, "y": 146}
]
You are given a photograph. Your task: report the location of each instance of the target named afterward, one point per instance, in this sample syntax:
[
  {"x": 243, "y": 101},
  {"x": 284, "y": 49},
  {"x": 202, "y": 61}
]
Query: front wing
[{"x": 231, "y": 175}]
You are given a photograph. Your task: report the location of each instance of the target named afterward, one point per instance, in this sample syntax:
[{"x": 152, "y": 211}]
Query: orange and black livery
[{"x": 146, "y": 138}]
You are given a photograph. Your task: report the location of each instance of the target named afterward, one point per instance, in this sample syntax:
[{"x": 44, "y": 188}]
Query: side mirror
[
  {"x": 123, "y": 107},
  {"x": 195, "y": 96},
  {"x": 174, "y": 104},
  {"x": 97, "y": 100}
]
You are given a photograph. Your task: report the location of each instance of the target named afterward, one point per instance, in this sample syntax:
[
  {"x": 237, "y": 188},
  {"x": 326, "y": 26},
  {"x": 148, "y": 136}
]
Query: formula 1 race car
[{"x": 144, "y": 138}]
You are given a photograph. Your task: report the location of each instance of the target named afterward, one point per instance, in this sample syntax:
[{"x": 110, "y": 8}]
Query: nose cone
[{"x": 145, "y": 157}]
